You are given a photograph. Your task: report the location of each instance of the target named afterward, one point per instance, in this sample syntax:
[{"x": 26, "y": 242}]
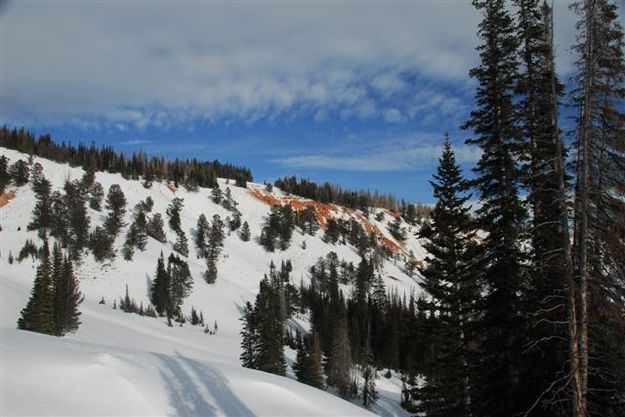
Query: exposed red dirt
[
  {"x": 326, "y": 212},
  {"x": 6, "y": 197}
]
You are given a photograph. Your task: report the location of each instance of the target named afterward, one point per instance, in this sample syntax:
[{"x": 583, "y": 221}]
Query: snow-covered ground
[{"x": 124, "y": 364}]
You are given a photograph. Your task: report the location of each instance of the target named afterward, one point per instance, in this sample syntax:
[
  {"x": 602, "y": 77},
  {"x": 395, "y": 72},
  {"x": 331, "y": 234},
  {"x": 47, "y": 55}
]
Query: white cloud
[
  {"x": 140, "y": 64},
  {"x": 399, "y": 154}
]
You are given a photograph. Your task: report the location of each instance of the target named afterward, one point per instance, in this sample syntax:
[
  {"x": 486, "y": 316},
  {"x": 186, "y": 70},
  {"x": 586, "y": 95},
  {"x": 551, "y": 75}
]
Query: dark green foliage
[
  {"x": 245, "y": 232},
  {"x": 214, "y": 248},
  {"x": 181, "y": 244},
  {"x": 496, "y": 131},
  {"x": 204, "y": 174},
  {"x": 332, "y": 232},
  {"x": 235, "y": 222},
  {"x": 29, "y": 249},
  {"x": 328, "y": 193},
  {"x": 38, "y": 315},
  {"x": 263, "y": 330},
  {"x": 278, "y": 228},
  {"x": 42, "y": 213},
  {"x": 307, "y": 367},
  {"x": 201, "y": 236},
  {"x": 67, "y": 296},
  {"x": 160, "y": 287},
  {"x": 339, "y": 372},
  {"x": 116, "y": 204},
  {"x": 180, "y": 284},
  {"x": 154, "y": 228},
  {"x": 171, "y": 286},
  {"x": 77, "y": 218},
  {"x": 307, "y": 220},
  {"x": 396, "y": 229},
  {"x": 96, "y": 194},
  {"x": 216, "y": 195},
  {"x": 5, "y": 179},
  {"x": 173, "y": 213},
  {"x": 137, "y": 235},
  {"x": 19, "y": 173},
  {"x": 449, "y": 279},
  {"x": 101, "y": 244}
]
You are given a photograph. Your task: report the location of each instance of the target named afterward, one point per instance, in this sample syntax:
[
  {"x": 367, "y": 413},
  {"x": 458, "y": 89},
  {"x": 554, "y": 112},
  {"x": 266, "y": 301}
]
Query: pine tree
[
  {"x": 173, "y": 213},
  {"x": 19, "y": 173},
  {"x": 116, "y": 204},
  {"x": 160, "y": 287},
  {"x": 249, "y": 338},
  {"x": 181, "y": 244},
  {"x": 42, "y": 213},
  {"x": 201, "y": 234},
  {"x": 502, "y": 215},
  {"x": 245, "y": 232},
  {"x": 77, "y": 218},
  {"x": 101, "y": 244},
  {"x": 539, "y": 89},
  {"x": 38, "y": 315},
  {"x": 67, "y": 299},
  {"x": 4, "y": 173},
  {"x": 180, "y": 283},
  {"x": 154, "y": 228},
  {"x": 449, "y": 280},
  {"x": 96, "y": 195},
  {"x": 339, "y": 373}
]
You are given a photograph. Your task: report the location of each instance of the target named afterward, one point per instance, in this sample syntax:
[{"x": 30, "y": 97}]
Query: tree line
[
  {"x": 359, "y": 200},
  {"x": 189, "y": 172}
]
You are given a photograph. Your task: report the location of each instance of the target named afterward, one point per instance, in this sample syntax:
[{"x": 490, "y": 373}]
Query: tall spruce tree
[
  {"x": 116, "y": 204},
  {"x": 502, "y": 215},
  {"x": 449, "y": 278},
  {"x": 38, "y": 315},
  {"x": 539, "y": 91},
  {"x": 160, "y": 287}
]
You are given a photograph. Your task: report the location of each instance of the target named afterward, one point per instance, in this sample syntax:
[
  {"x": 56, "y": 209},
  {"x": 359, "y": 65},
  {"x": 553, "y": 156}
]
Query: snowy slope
[{"x": 124, "y": 364}]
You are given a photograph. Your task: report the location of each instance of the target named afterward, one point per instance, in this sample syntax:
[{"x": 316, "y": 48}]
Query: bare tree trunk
[{"x": 577, "y": 401}]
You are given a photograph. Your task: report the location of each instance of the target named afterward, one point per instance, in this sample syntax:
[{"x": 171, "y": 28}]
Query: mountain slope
[{"x": 120, "y": 364}]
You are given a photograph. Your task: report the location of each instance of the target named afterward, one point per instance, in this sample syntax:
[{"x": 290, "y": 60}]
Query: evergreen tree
[
  {"x": 42, "y": 213},
  {"x": 332, "y": 232},
  {"x": 502, "y": 215},
  {"x": 596, "y": 337},
  {"x": 201, "y": 234},
  {"x": 96, "y": 194},
  {"x": 116, "y": 204},
  {"x": 160, "y": 287},
  {"x": 249, "y": 339},
  {"x": 270, "y": 355},
  {"x": 101, "y": 244},
  {"x": 181, "y": 245},
  {"x": 154, "y": 228},
  {"x": 38, "y": 315},
  {"x": 245, "y": 232},
  {"x": 173, "y": 213},
  {"x": 77, "y": 218},
  {"x": 19, "y": 173},
  {"x": 339, "y": 373},
  {"x": 539, "y": 89},
  {"x": 67, "y": 298},
  {"x": 180, "y": 283},
  {"x": 449, "y": 280},
  {"x": 216, "y": 195},
  {"x": 396, "y": 229},
  {"x": 4, "y": 173}
]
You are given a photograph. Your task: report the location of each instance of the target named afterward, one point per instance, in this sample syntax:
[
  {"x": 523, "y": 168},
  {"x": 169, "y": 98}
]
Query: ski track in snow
[{"x": 120, "y": 364}]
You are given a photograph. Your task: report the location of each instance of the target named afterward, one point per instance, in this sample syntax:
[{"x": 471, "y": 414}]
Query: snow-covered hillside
[{"x": 125, "y": 364}]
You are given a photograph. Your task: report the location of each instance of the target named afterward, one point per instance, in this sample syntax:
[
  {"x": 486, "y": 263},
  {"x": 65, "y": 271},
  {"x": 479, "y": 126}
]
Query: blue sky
[{"x": 358, "y": 94}]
